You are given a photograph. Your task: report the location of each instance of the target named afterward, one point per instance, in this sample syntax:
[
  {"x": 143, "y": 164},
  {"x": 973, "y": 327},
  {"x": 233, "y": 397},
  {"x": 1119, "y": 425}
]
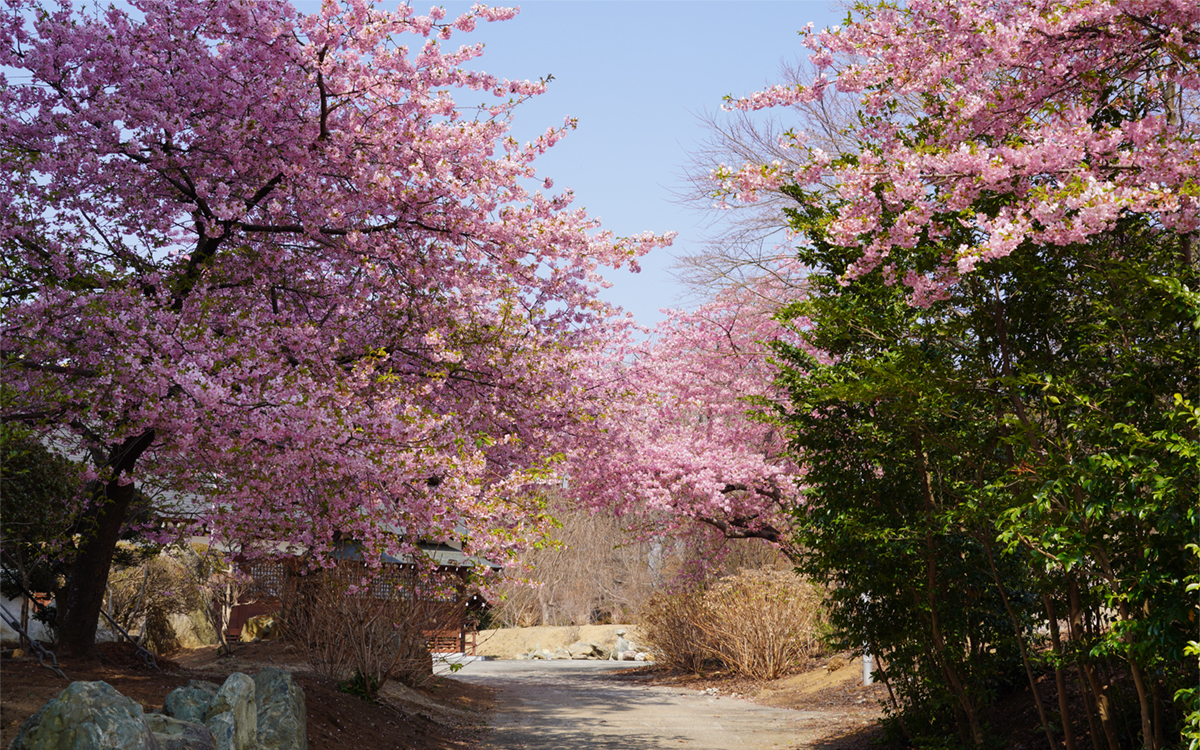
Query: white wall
[{"x": 36, "y": 629}]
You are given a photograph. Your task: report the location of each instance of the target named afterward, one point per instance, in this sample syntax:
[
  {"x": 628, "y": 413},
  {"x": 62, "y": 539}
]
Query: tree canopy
[{"x": 290, "y": 266}]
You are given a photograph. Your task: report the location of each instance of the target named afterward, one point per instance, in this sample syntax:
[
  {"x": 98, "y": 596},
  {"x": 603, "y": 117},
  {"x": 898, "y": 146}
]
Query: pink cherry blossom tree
[
  {"x": 686, "y": 438},
  {"x": 1023, "y": 120},
  {"x": 291, "y": 267}
]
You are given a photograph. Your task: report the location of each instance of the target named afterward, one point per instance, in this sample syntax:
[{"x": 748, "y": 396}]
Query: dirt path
[{"x": 578, "y": 705}]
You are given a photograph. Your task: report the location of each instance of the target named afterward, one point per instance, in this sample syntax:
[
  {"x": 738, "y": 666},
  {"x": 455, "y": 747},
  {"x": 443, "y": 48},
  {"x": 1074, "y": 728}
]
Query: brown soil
[{"x": 444, "y": 715}]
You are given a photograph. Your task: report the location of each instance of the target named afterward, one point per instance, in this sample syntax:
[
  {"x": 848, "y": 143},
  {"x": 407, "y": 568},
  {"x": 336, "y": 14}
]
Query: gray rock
[
  {"x": 587, "y": 650},
  {"x": 625, "y": 650},
  {"x": 190, "y": 702},
  {"x": 86, "y": 716},
  {"x": 623, "y": 643},
  {"x": 174, "y": 734},
  {"x": 282, "y": 718},
  {"x": 232, "y": 716}
]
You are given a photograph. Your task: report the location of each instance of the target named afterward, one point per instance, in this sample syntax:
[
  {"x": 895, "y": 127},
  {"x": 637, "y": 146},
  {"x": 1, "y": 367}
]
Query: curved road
[{"x": 579, "y": 705}]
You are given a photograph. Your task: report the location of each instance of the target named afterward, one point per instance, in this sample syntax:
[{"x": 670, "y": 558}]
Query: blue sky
[{"x": 636, "y": 74}]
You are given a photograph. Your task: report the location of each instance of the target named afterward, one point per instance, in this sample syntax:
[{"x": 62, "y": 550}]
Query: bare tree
[
  {"x": 597, "y": 567},
  {"x": 747, "y": 243},
  {"x": 592, "y": 568}
]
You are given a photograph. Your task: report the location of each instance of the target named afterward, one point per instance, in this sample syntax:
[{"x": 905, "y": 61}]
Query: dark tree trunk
[{"x": 83, "y": 598}]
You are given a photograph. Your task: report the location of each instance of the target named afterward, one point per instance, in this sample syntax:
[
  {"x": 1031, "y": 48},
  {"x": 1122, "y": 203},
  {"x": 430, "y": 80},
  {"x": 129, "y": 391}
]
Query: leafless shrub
[
  {"x": 761, "y": 623},
  {"x": 219, "y": 584},
  {"x": 158, "y": 634},
  {"x": 670, "y": 624},
  {"x": 224, "y": 587},
  {"x": 366, "y": 627}
]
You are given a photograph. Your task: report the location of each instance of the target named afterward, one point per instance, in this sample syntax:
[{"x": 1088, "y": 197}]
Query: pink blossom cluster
[
  {"x": 1076, "y": 111},
  {"x": 274, "y": 246},
  {"x": 681, "y": 438}
]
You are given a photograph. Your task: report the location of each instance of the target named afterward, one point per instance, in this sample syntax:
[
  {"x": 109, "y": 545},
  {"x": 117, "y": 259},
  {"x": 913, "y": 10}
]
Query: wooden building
[{"x": 441, "y": 586}]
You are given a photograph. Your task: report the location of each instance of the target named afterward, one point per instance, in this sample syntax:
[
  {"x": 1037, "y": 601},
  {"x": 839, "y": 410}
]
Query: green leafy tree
[
  {"x": 36, "y": 485},
  {"x": 1018, "y": 453}
]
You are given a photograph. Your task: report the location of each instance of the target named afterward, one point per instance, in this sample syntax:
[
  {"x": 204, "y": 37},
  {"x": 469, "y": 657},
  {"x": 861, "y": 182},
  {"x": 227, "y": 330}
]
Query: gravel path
[{"x": 580, "y": 705}]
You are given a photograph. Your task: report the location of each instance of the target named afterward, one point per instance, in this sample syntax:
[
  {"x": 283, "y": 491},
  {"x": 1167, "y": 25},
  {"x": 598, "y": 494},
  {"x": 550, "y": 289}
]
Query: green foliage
[
  {"x": 362, "y": 686},
  {"x": 971, "y": 463},
  {"x": 1189, "y": 699},
  {"x": 38, "y": 488}
]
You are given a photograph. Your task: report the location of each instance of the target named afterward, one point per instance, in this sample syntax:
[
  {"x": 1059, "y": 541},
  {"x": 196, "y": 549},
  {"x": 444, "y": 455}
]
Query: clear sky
[{"x": 636, "y": 74}]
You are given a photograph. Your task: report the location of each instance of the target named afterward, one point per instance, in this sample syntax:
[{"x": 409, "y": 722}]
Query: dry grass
[
  {"x": 671, "y": 622},
  {"x": 762, "y": 623},
  {"x": 757, "y": 623}
]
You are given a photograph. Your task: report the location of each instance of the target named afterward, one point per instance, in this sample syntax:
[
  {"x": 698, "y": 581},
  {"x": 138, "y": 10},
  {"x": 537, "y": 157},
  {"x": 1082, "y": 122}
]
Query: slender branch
[{"x": 734, "y": 529}]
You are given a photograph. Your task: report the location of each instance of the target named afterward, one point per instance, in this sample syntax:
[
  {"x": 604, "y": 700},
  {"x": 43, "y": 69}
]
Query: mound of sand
[{"x": 508, "y": 643}]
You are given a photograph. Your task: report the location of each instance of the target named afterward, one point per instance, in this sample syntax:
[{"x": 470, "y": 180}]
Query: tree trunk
[
  {"x": 1099, "y": 693},
  {"x": 1104, "y": 707},
  {"x": 1090, "y": 708},
  {"x": 1139, "y": 684},
  {"x": 85, "y": 588},
  {"x": 1135, "y": 669},
  {"x": 24, "y": 608},
  {"x": 1016, "y": 623},
  {"x": 1060, "y": 678},
  {"x": 956, "y": 685},
  {"x": 79, "y": 609}
]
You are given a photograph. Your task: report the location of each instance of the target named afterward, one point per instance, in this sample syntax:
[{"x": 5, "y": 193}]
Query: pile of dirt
[
  {"x": 508, "y": 643},
  {"x": 444, "y": 715}
]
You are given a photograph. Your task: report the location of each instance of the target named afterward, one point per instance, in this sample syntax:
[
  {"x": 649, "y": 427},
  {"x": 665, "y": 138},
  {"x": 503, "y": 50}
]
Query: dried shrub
[
  {"x": 758, "y": 623},
  {"x": 670, "y": 623},
  {"x": 364, "y": 627},
  {"x": 158, "y": 634},
  {"x": 762, "y": 623}
]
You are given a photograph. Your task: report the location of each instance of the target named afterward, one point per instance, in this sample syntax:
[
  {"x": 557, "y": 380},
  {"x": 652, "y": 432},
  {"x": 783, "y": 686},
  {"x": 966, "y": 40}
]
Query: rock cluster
[
  {"x": 577, "y": 650},
  {"x": 624, "y": 650},
  {"x": 263, "y": 713}
]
